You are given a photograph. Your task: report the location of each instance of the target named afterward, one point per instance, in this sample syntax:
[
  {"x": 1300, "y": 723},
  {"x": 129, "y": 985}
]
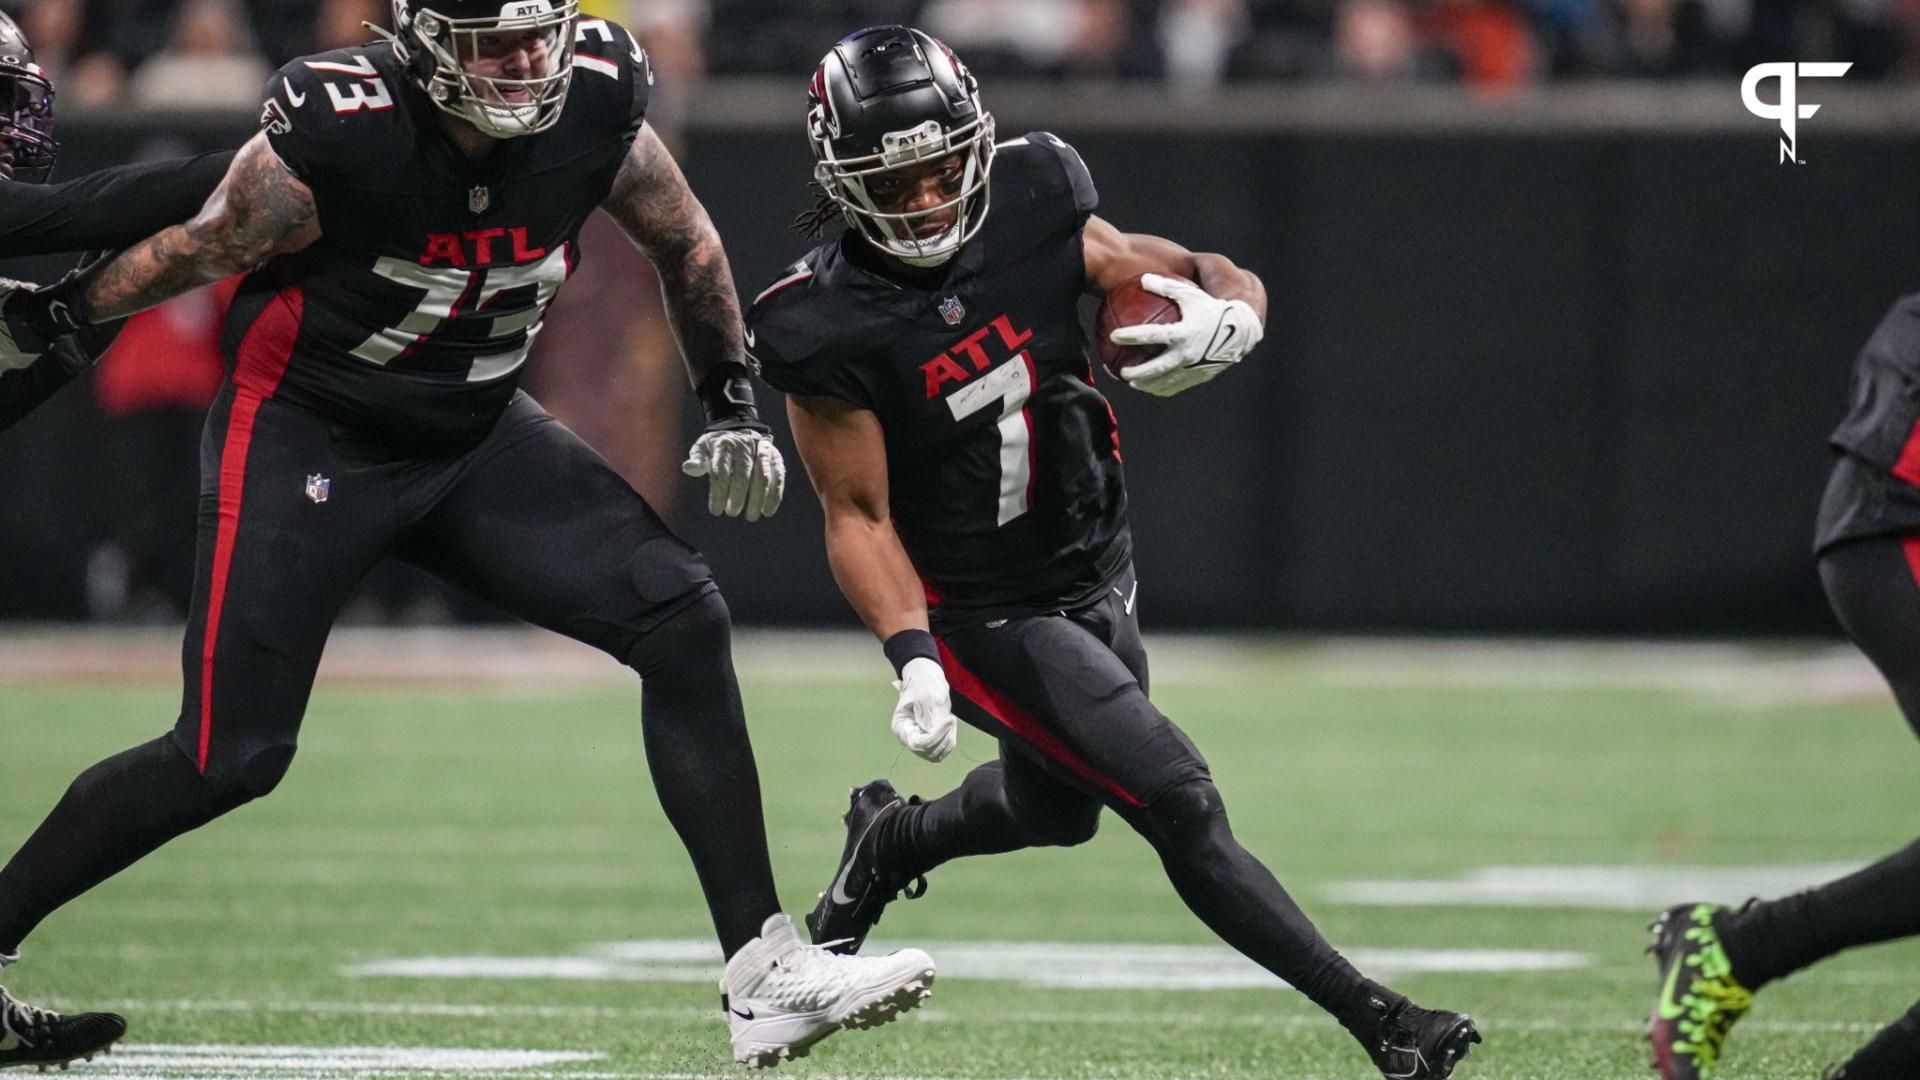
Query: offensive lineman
[
  {"x": 1713, "y": 959},
  {"x": 942, "y": 399},
  {"x": 406, "y": 215}
]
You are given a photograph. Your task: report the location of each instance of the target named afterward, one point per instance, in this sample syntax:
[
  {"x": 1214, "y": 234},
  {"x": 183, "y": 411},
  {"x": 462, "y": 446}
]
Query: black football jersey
[
  {"x": 1003, "y": 459},
  {"x": 411, "y": 317},
  {"x": 1877, "y": 488}
]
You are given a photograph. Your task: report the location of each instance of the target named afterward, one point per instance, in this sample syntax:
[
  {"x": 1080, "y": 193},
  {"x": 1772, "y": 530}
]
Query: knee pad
[
  {"x": 1188, "y": 814},
  {"x": 703, "y": 628},
  {"x": 264, "y": 770},
  {"x": 243, "y": 774}
]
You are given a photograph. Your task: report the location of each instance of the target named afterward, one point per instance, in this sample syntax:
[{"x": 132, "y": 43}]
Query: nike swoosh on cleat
[
  {"x": 1668, "y": 1008},
  {"x": 748, "y": 1015},
  {"x": 839, "y": 891}
]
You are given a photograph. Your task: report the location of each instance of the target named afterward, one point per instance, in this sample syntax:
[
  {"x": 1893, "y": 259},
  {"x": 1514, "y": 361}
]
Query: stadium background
[{"x": 1556, "y": 339}]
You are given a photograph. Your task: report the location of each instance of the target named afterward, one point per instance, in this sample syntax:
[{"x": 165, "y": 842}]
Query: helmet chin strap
[
  {"x": 921, "y": 254},
  {"x": 918, "y": 255},
  {"x": 499, "y": 120}
]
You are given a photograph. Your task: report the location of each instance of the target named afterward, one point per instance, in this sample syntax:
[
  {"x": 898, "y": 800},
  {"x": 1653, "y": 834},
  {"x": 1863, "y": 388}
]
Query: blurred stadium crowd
[{"x": 214, "y": 53}]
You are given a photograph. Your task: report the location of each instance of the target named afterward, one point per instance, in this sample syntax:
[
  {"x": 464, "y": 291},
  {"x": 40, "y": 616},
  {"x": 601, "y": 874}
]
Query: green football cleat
[{"x": 1699, "y": 1001}]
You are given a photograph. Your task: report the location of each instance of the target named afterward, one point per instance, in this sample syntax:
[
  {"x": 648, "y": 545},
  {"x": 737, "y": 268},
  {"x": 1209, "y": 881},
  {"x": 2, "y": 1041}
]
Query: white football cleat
[{"x": 782, "y": 995}]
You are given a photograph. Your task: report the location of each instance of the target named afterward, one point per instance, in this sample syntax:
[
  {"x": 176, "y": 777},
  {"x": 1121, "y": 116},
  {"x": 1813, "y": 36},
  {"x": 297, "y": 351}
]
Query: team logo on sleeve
[
  {"x": 952, "y": 310},
  {"x": 273, "y": 119}
]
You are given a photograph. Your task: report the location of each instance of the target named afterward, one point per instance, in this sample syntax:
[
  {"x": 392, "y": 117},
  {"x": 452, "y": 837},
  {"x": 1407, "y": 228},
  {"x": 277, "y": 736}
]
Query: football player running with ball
[
  {"x": 1713, "y": 959},
  {"x": 406, "y": 215},
  {"x": 942, "y": 399}
]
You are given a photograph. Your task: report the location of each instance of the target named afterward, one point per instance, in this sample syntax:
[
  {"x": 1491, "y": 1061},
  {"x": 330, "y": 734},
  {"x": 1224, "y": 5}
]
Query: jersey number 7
[{"x": 1010, "y": 386}]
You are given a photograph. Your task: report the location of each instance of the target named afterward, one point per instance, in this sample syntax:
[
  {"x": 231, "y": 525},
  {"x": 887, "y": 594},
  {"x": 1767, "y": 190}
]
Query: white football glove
[
  {"x": 923, "y": 719},
  {"x": 746, "y": 472},
  {"x": 1211, "y": 336}
]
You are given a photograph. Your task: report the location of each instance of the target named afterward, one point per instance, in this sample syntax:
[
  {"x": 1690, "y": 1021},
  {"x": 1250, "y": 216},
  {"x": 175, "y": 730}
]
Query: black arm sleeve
[{"x": 109, "y": 209}]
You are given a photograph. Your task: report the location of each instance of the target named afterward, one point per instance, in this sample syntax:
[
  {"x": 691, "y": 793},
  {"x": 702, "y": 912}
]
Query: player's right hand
[
  {"x": 744, "y": 468},
  {"x": 1211, "y": 336},
  {"x": 31, "y": 320},
  {"x": 923, "y": 718}
]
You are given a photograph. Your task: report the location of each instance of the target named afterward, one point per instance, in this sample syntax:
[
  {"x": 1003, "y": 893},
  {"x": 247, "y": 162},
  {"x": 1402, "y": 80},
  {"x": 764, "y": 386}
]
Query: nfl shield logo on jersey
[
  {"x": 479, "y": 199},
  {"x": 952, "y": 310},
  {"x": 318, "y": 488}
]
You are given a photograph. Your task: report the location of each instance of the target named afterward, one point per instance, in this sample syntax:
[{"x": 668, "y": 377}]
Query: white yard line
[
  {"x": 230, "y": 1061},
  {"x": 1641, "y": 888},
  {"x": 1056, "y": 965},
  {"x": 985, "y": 1017}
]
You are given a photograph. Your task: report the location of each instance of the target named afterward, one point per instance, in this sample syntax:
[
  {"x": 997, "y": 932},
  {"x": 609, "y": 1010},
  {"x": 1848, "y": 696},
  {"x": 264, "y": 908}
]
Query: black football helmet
[
  {"x": 890, "y": 97},
  {"x": 26, "y": 107},
  {"x": 435, "y": 39}
]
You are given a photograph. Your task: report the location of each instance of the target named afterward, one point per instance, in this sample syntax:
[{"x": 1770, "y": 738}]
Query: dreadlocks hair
[{"x": 812, "y": 223}]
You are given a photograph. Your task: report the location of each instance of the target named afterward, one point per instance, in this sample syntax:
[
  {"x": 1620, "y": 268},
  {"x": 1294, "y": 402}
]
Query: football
[{"x": 1130, "y": 305}]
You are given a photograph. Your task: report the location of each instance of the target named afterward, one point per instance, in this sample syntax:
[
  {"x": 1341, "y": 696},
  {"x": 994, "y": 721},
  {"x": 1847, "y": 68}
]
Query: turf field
[{"x": 468, "y": 876}]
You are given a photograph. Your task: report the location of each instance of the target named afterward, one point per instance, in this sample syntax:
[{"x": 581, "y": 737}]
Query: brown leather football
[{"x": 1130, "y": 305}]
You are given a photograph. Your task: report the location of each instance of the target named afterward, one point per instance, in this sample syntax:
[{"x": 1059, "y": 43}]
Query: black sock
[
  {"x": 975, "y": 818},
  {"x": 1771, "y": 940},
  {"x": 113, "y": 815},
  {"x": 1893, "y": 1054},
  {"x": 701, "y": 759}
]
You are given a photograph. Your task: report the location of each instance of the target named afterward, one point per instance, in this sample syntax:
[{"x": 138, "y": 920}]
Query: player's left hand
[
  {"x": 1211, "y": 336},
  {"x": 744, "y": 468}
]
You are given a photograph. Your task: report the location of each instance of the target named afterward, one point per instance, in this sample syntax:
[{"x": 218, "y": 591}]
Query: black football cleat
[
  {"x": 30, "y": 1036},
  {"x": 862, "y": 888},
  {"x": 1412, "y": 1043}
]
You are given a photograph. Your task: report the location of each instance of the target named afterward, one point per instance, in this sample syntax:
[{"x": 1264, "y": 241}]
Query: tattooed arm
[
  {"x": 652, "y": 203},
  {"x": 260, "y": 210}
]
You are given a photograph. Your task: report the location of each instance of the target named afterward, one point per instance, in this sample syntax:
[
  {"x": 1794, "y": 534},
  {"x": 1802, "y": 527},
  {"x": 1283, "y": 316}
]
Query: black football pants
[
  {"x": 294, "y": 511},
  {"x": 1066, "y": 696},
  {"x": 1874, "y": 587}
]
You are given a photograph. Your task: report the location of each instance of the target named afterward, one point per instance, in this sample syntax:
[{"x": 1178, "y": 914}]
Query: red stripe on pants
[
  {"x": 1911, "y": 545},
  {"x": 1017, "y": 720},
  {"x": 1908, "y": 466},
  {"x": 258, "y": 369}
]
